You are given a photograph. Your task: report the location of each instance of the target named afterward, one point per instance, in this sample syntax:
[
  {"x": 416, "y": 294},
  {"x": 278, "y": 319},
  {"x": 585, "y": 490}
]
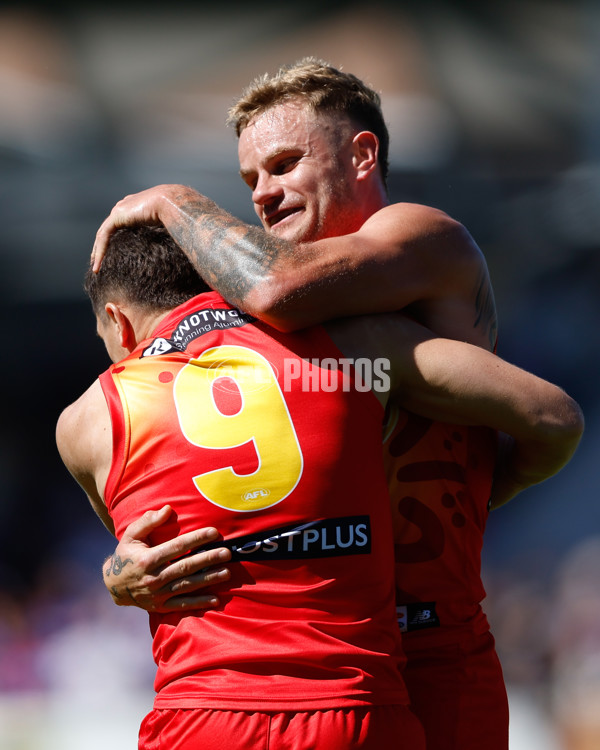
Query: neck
[
  {"x": 373, "y": 201},
  {"x": 145, "y": 323}
]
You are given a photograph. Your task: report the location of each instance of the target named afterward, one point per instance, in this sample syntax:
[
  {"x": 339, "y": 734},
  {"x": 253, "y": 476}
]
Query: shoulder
[
  {"x": 82, "y": 427},
  {"x": 83, "y": 407},
  {"x": 415, "y": 216},
  {"x": 424, "y": 231}
]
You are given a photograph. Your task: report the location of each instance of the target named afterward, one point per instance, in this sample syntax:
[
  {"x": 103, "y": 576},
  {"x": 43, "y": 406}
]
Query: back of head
[
  {"x": 143, "y": 266},
  {"x": 325, "y": 89}
]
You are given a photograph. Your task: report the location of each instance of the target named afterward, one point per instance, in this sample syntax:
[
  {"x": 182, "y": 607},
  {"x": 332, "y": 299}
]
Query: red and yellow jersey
[
  {"x": 439, "y": 478},
  {"x": 210, "y": 416}
]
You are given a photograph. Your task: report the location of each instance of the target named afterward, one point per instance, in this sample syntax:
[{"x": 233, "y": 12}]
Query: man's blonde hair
[{"x": 325, "y": 89}]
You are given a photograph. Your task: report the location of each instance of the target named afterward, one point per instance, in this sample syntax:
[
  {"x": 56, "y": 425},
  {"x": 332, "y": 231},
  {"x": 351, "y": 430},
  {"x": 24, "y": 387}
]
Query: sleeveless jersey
[
  {"x": 222, "y": 417},
  {"x": 440, "y": 479}
]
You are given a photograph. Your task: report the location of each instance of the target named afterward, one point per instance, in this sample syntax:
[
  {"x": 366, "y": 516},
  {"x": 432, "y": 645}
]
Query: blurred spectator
[{"x": 575, "y": 644}]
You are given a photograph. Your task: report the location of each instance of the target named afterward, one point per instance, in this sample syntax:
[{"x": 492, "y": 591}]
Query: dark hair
[
  {"x": 325, "y": 89},
  {"x": 145, "y": 266}
]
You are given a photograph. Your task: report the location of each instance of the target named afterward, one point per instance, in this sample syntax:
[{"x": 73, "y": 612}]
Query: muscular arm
[
  {"x": 460, "y": 383},
  {"x": 83, "y": 439},
  {"x": 233, "y": 257},
  {"x": 155, "y": 578},
  {"x": 404, "y": 256}
]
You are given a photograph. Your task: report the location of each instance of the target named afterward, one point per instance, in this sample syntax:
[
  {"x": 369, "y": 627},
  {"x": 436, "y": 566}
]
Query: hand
[
  {"x": 133, "y": 210},
  {"x": 505, "y": 485},
  {"x": 143, "y": 576}
]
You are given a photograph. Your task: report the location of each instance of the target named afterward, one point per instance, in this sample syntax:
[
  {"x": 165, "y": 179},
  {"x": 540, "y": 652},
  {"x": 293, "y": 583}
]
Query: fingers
[
  {"x": 186, "y": 599},
  {"x": 147, "y": 577},
  {"x": 162, "y": 555},
  {"x": 106, "y": 229},
  {"x": 153, "y": 567},
  {"x": 113, "y": 221},
  {"x": 185, "y": 603},
  {"x": 194, "y": 571},
  {"x": 141, "y": 528},
  {"x": 153, "y": 595},
  {"x": 100, "y": 244},
  {"x": 132, "y": 210},
  {"x": 188, "y": 574},
  {"x": 138, "y": 530}
]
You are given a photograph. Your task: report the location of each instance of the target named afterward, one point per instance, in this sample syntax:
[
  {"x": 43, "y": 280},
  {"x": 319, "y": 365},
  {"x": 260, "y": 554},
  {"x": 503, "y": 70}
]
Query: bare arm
[
  {"x": 545, "y": 424},
  {"x": 405, "y": 255},
  {"x": 460, "y": 383},
  {"x": 513, "y": 459},
  {"x": 233, "y": 257},
  {"x": 83, "y": 440},
  {"x": 136, "y": 573}
]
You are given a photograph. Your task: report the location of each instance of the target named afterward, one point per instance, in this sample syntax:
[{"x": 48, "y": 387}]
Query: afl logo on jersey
[{"x": 252, "y": 495}]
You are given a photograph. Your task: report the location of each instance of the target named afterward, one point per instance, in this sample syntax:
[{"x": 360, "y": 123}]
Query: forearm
[
  {"x": 539, "y": 452},
  {"x": 233, "y": 257},
  {"x": 523, "y": 463},
  {"x": 285, "y": 285},
  {"x": 402, "y": 255},
  {"x": 454, "y": 382},
  {"x": 520, "y": 467}
]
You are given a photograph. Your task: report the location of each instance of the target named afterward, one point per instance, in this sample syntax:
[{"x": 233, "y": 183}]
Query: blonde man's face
[{"x": 299, "y": 168}]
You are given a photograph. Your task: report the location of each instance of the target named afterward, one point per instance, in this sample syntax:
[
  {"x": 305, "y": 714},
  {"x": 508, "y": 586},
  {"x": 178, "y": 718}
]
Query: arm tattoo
[
  {"x": 232, "y": 257},
  {"x": 486, "y": 309}
]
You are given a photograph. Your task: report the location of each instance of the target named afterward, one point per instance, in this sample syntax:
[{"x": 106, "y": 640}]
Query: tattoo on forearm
[
  {"x": 116, "y": 564},
  {"x": 486, "y": 309},
  {"x": 231, "y": 256}
]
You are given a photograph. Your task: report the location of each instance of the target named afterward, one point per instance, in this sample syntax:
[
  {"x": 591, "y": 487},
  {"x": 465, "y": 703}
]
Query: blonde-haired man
[{"x": 313, "y": 149}]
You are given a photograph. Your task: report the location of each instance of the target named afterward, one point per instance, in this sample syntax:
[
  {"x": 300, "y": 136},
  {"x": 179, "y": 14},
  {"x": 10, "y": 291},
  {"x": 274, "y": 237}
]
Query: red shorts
[
  {"x": 458, "y": 693},
  {"x": 369, "y": 728}
]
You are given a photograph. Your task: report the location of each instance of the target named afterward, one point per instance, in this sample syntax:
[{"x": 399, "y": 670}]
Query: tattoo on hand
[
  {"x": 116, "y": 595},
  {"x": 114, "y": 592},
  {"x": 116, "y": 564}
]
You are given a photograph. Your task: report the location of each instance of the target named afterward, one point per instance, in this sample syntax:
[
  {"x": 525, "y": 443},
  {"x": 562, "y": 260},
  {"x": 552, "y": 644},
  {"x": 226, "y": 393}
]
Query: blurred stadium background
[{"x": 494, "y": 113}]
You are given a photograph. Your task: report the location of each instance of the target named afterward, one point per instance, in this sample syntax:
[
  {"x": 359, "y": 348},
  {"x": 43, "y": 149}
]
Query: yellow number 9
[{"x": 262, "y": 417}]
